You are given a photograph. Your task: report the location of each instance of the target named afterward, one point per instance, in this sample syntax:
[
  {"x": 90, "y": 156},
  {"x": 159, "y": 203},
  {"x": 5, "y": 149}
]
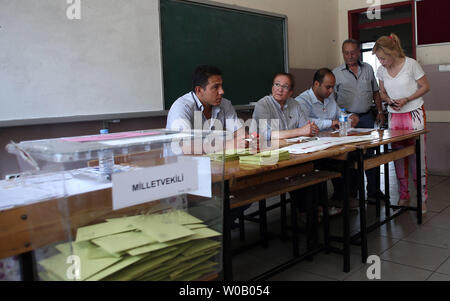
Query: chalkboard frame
[{"x": 223, "y": 6}]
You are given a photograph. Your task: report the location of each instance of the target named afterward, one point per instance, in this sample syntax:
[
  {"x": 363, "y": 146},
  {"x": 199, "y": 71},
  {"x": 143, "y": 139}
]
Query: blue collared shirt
[
  {"x": 187, "y": 113},
  {"x": 322, "y": 113}
]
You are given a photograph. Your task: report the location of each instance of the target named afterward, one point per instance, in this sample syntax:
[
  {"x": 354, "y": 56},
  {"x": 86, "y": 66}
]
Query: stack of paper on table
[
  {"x": 324, "y": 143},
  {"x": 169, "y": 246},
  {"x": 229, "y": 154},
  {"x": 265, "y": 158}
]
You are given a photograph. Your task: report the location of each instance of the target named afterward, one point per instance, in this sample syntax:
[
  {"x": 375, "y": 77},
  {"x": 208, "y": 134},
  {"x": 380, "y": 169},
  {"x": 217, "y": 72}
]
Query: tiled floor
[{"x": 407, "y": 251}]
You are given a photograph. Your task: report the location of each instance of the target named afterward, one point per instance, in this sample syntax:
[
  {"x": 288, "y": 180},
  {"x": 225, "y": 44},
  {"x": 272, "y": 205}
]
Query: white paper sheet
[{"x": 324, "y": 143}]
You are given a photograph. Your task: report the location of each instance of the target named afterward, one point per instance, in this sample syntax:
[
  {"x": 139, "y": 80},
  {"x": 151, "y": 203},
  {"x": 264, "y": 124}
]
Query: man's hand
[
  {"x": 354, "y": 120},
  {"x": 335, "y": 124},
  {"x": 381, "y": 119},
  {"x": 310, "y": 129}
]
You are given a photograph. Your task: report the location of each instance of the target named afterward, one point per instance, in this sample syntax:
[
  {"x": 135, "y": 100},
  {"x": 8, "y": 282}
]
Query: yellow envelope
[
  {"x": 157, "y": 246},
  {"x": 123, "y": 241},
  {"x": 195, "y": 226},
  {"x": 201, "y": 245},
  {"x": 160, "y": 229},
  {"x": 58, "y": 265},
  {"x": 115, "y": 268},
  {"x": 204, "y": 233},
  {"x": 104, "y": 229}
]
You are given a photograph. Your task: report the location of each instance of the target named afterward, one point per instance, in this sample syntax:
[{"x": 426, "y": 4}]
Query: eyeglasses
[{"x": 284, "y": 87}]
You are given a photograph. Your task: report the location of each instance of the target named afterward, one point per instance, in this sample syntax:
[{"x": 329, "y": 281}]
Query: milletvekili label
[{"x": 153, "y": 183}]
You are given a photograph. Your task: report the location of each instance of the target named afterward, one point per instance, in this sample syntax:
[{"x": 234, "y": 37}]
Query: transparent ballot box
[{"x": 141, "y": 205}]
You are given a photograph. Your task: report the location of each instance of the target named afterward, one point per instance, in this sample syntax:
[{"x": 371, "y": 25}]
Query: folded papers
[
  {"x": 229, "y": 154},
  {"x": 265, "y": 158},
  {"x": 169, "y": 246}
]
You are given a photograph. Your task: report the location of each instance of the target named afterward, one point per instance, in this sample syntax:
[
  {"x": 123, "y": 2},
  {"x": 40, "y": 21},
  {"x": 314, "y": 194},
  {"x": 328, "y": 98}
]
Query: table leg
[
  {"x": 27, "y": 266},
  {"x": 346, "y": 217},
  {"x": 326, "y": 222},
  {"x": 227, "y": 255},
  {"x": 263, "y": 222},
  {"x": 362, "y": 207},
  {"x": 419, "y": 181},
  {"x": 294, "y": 224},
  {"x": 377, "y": 184},
  {"x": 387, "y": 200},
  {"x": 283, "y": 216},
  {"x": 242, "y": 227}
]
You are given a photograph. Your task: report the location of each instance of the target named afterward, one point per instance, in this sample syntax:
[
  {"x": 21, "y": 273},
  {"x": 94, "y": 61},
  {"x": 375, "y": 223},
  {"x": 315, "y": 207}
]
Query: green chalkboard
[{"x": 248, "y": 47}]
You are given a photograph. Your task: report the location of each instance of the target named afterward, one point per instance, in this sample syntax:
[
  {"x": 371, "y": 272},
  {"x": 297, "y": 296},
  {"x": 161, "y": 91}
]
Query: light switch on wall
[{"x": 444, "y": 68}]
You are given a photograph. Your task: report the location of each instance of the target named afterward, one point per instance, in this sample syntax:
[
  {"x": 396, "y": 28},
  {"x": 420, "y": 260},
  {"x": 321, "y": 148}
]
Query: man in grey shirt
[
  {"x": 279, "y": 116},
  {"x": 355, "y": 90}
]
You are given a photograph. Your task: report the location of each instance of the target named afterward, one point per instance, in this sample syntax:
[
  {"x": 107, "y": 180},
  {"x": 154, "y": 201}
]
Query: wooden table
[
  {"x": 239, "y": 176},
  {"x": 15, "y": 236},
  {"x": 381, "y": 138}
]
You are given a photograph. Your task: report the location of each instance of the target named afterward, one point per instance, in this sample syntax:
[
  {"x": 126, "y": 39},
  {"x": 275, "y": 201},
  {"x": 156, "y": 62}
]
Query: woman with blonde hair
[{"x": 402, "y": 84}]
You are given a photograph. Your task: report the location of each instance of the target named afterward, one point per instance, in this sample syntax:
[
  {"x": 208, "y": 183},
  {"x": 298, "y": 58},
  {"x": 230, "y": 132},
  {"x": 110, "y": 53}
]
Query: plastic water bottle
[
  {"x": 105, "y": 160},
  {"x": 343, "y": 123}
]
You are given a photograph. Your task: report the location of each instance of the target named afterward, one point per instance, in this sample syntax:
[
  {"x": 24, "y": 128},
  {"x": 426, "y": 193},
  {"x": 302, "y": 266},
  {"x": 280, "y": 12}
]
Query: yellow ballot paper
[
  {"x": 195, "y": 226},
  {"x": 204, "y": 233},
  {"x": 158, "y": 246},
  {"x": 58, "y": 265},
  {"x": 176, "y": 217},
  {"x": 201, "y": 245},
  {"x": 104, "y": 229},
  {"x": 115, "y": 268},
  {"x": 123, "y": 241},
  {"x": 169, "y": 246},
  {"x": 160, "y": 229}
]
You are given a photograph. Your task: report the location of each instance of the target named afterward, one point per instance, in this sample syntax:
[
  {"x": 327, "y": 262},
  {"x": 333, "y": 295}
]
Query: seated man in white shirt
[
  {"x": 319, "y": 105},
  {"x": 318, "y": 102},
  {"x": 204, "y": 108},
  {"x": 205, "y": 99}
]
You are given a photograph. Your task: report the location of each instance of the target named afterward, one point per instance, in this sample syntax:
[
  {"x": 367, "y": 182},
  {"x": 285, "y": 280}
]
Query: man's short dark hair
[
  {"x": 291, "y": 78},
  {"x": 320, "y": 75},
  {"x": 202, "y": 74},
  {"x": 351, "y": 41}
]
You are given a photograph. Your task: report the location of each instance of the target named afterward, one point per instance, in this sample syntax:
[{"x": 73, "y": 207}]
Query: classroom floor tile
[
  {"x": 391, "y": 271},
  {"x": 438, "y": 277},
  {"x": 445, "y": 267},
  {"x": 408, "y": 251},
  {"x": 416, "y": 255},
  {"x": 431, "y": 236}
]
